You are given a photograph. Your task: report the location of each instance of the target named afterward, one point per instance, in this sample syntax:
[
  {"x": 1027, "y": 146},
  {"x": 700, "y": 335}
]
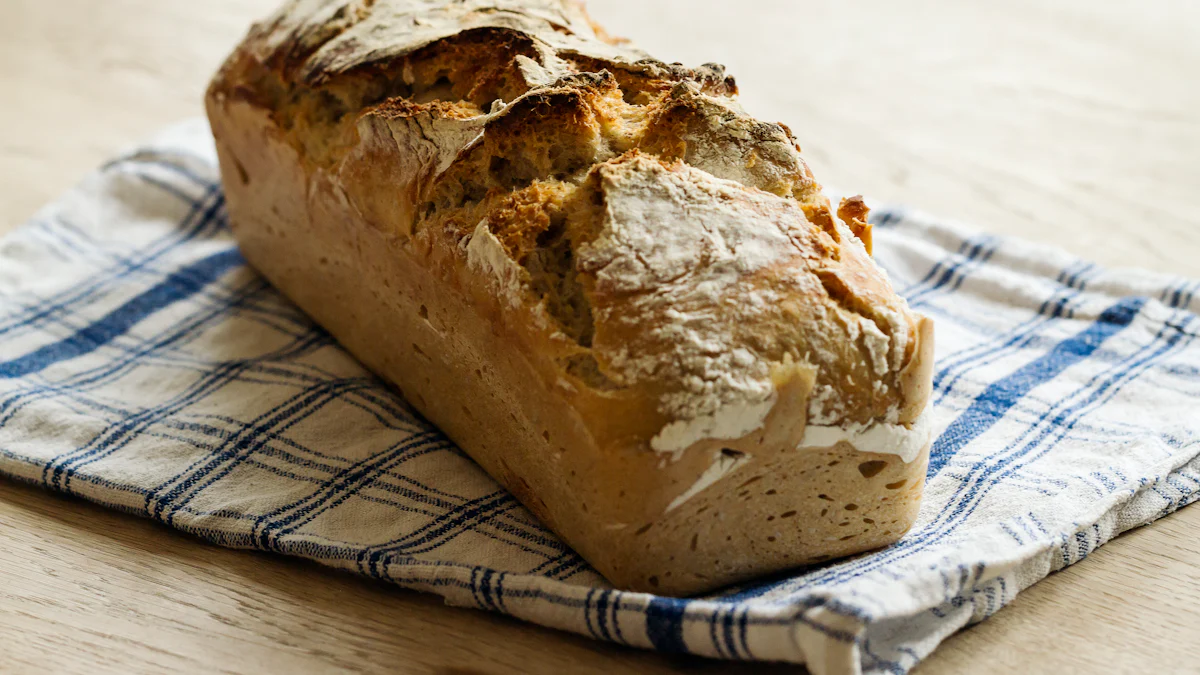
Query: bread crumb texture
[{"x": 667, "y": 242}]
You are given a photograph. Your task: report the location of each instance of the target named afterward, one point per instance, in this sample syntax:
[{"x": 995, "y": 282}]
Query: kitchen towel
[{"x": 145, "y": 367}]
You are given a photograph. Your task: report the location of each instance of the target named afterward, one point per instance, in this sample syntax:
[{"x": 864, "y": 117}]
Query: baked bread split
[{"x": 625, "y": 298}]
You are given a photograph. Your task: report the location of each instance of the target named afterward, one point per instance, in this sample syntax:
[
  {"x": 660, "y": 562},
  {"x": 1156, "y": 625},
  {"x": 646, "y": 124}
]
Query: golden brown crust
[
  {"x": 853, "y": 211},
  {"x": 624, "y": 297}
]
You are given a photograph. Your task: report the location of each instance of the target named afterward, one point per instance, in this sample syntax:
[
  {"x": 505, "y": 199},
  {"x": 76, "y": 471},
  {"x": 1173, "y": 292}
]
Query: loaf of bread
[{"x": 626, "y": 299}]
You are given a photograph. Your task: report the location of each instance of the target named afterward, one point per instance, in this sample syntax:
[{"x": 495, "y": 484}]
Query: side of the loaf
[{"x": 619, "y": 294}]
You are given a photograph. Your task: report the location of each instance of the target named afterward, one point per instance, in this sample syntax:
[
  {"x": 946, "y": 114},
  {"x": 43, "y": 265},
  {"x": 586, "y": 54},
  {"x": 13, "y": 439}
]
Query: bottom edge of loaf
[{"x": 800, "y": 508}]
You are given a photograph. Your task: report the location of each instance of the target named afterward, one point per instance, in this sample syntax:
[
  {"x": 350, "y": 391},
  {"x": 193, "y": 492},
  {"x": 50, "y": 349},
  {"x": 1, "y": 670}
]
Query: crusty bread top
[
  {"x": 336, "y": 36},
  {"x": 657, "y": 248}
]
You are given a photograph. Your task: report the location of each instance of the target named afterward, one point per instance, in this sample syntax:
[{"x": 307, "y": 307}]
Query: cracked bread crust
[{"x": 623, "y": 296}]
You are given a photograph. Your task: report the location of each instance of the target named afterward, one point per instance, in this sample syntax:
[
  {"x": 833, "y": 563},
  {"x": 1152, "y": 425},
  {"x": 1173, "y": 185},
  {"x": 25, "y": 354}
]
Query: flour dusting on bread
[{"x": 593, "y": 269}]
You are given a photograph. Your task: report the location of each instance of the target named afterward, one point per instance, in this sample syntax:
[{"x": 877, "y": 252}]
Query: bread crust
[{"x": 623, "y": 297}]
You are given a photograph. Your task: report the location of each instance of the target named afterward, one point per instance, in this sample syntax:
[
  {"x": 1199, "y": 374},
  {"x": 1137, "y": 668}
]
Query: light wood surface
[{"x": 1075, "y": 123}]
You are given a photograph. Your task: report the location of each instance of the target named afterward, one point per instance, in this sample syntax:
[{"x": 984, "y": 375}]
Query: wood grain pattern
[{"x": 1070, "y": 122}]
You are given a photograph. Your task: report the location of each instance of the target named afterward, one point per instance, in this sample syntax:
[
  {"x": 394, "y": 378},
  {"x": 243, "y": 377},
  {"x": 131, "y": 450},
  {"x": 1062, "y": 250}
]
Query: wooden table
[{"x": 1072, "y": 122}]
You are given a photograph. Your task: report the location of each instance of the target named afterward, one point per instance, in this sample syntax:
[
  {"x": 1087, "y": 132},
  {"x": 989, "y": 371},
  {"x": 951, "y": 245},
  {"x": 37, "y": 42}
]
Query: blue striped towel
[{"x": 143, "y": 366}]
